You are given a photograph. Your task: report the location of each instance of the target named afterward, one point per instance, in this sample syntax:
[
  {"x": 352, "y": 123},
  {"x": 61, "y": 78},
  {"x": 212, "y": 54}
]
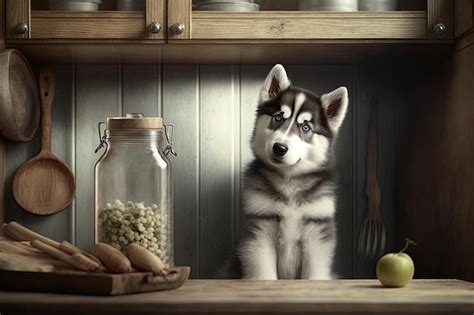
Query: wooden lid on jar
[{"x": 134, "y": 121}]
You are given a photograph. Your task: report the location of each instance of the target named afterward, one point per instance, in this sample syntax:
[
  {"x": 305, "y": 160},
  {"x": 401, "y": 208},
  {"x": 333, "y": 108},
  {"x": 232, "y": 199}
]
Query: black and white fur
[{"x": 288, "y": 229}]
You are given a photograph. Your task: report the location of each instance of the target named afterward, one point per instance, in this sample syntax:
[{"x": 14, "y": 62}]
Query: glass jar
[{"x": 133, "y": 200}]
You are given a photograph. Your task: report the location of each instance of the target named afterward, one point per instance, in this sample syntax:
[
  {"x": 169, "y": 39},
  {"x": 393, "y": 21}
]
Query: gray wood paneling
[
  {"x": 141, "y": 89},
  {"x": 181, "y": 108},
  {"x": 363, "y": 267},
  {"x": 213, "y": 110},
  {"x": 217, "y": 143},
  {"x": 97, "y": 97}
]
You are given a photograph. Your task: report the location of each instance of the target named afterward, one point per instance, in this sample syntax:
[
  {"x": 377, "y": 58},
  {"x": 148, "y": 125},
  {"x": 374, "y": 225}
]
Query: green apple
[{"x": 396, "y": 269}]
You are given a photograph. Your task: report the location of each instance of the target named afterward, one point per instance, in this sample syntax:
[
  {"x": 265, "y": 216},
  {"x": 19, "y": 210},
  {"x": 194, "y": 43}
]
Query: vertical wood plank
[
  {"x": 97, "y": 97},
  {"x": 179, "y": 11},
  {"x": 463, "y": 16},
  {"x": 155, "y": 12},
  {"x": 437, "y": 171},
  {"x": 18, "y": 12},
  {"x": 252, "y": 78},
  {"x": 2, "y": 24},
  {"x": 236, "y": 154},
  {"x": 57, "y": 226},
  {"x": 441, "y": 11},
  {"x": 2, "y": 182},
  {"x": 216, "y": 172},
  {"x": 378, "y": 88},
  {"x": 62, "y": 116},
  {"x": 3, "y": 153},
  {"x": 181, "y": 108},
  {"x": 388, "y": 107},
  {"x": 363, "y": 267},
  {"x": 141, "y": 89}
]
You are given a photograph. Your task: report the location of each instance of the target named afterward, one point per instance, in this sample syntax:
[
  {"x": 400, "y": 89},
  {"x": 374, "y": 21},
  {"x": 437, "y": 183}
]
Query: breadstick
[
  {"x": 78, "y": 260},
  {"x": 67, "y": 247},
  {"x": 19, "y": 233}
]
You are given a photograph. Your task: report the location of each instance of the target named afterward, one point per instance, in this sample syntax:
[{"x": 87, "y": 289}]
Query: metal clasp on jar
[
  {"x": 169, "y": 128},
  {"x": 102, "y": 138}
]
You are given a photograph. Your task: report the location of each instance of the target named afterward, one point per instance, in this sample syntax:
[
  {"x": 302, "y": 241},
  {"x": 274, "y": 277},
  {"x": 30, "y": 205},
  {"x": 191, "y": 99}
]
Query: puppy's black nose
[{"x": 280, "y": 149}]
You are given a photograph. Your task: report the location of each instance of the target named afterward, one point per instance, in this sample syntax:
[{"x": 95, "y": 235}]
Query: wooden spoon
[{"x": 45, "y": 184}]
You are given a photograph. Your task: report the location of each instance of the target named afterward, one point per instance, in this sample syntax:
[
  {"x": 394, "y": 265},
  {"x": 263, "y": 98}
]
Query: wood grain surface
[
  {"x": 156, "y": 12},
  {"x": 229, "y": 52},
  {"x": 31, "y": 258},
  {"x": 2, "y": 25},
  {"x": 92, "y": 25},
  {"x": 3, "y": 164},
  {"x": 86, "y": 283},
  {"x": 437, "y": 199},
  {"x": 440, "y": 11},
  {"x": 19, "y": 102},
  {"x": 463, "y": 16},
  {"x": 180, "y": 11},
  {"x": 18, "y": 12},
  {"x": 309, "y": 25},
  {"x": 3, "y": 169},
  {"x": 225, "y": 297}
]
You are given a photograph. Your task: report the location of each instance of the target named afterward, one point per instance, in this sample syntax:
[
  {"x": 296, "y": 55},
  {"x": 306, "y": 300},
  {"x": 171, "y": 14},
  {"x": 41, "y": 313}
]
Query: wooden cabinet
[
  {"x": 25, "y": 23},
  {"x": 433, "y": 20},
  {"x": 158, "y": 32}
]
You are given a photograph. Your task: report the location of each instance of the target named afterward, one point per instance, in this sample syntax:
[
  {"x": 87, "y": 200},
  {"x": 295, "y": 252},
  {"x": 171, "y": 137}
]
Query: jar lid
[{"x": 134, "y": 121}]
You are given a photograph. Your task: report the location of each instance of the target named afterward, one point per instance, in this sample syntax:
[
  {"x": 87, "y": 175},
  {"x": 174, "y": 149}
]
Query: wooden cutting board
[{"x": 76, "y": 282}]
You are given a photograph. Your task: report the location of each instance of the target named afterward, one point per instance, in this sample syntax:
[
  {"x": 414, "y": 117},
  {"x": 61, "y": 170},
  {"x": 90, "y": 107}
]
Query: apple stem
[{"x": 408, "y": 242}]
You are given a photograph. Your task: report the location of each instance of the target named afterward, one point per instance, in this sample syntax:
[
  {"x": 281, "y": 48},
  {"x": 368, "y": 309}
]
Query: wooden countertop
[{"x": 421, "y": 296}]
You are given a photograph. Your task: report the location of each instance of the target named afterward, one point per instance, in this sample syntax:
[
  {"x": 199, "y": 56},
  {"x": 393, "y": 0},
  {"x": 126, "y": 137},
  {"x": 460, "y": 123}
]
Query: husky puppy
[{"x": 288, "y": 229}]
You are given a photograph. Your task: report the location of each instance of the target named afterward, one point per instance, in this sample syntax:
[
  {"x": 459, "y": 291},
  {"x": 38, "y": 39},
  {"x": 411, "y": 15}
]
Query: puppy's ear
[
  {"x": 276, "y": 82},
  {"x": 335, "y": 106}
]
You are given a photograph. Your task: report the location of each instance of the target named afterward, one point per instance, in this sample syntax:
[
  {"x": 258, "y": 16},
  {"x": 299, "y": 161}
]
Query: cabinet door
[
  {"x": 18, "y": 19},
  {"x": 309, "y": 20},
  {"x": 42, "y": 22},
  {"x": 440, "y": 19},
  {"x": 463, "y": 17}
]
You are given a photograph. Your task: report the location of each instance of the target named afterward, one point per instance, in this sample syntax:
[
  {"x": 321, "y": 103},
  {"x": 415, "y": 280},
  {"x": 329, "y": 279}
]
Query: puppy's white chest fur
[{"x": 289, "y": 242}]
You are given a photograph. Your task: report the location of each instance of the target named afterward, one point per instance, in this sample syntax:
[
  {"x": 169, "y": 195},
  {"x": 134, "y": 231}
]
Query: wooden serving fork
[{"x": 372, "y": 235}]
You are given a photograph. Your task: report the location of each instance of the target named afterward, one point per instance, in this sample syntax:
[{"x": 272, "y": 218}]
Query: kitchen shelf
[
  {"x": 87, "y": 25},
  {"x": 229, "y": 52},
  {"x": 283, "y": 297},
  {"x": 280, "y": 25},
  {"x": 226, "y": 37}
]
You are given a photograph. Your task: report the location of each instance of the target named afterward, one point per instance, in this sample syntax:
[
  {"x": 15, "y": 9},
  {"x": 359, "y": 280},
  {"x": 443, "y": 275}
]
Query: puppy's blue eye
[
  {"x": 306, "y": 128},
  {"x": 278, "y": 117}
]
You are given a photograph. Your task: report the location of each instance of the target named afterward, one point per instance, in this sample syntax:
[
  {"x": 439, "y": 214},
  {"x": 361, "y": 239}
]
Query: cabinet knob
[
  {"x": 439, "y": 29},
  {"x": 154, "y": 27},
  {"x": 22, "y": 28},
  {"x": 178, "y": 28}
]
